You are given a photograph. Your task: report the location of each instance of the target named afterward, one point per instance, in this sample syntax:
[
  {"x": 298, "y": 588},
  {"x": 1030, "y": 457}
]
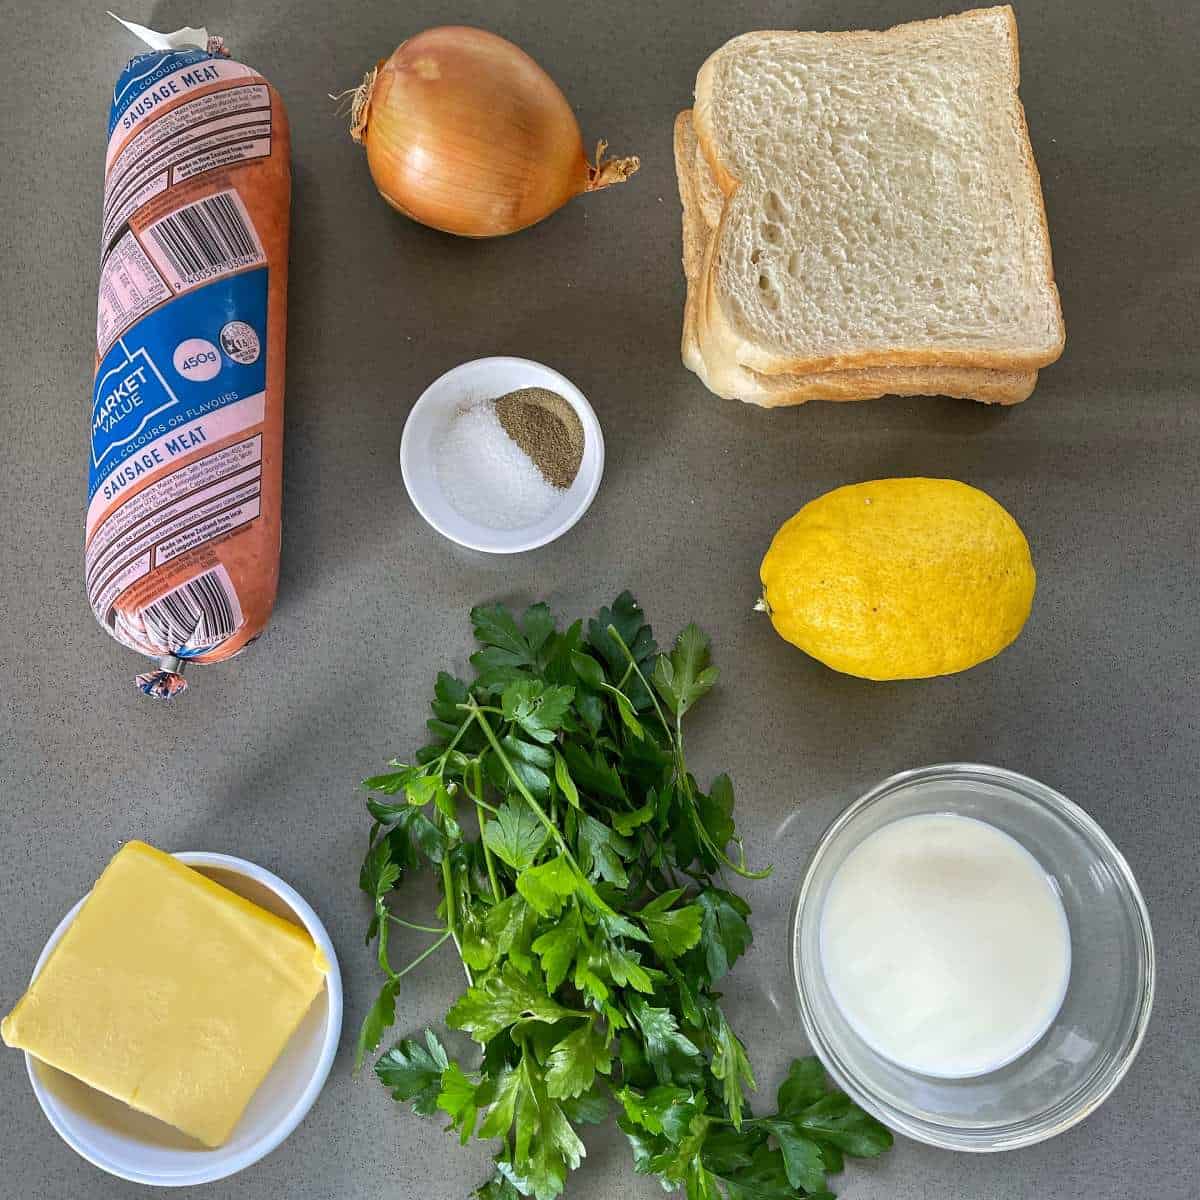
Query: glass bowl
[{"x": 1092, "y": 1042}]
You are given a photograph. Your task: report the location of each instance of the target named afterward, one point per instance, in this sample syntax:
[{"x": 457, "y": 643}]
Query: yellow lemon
[{"x": 899, "y": 578}]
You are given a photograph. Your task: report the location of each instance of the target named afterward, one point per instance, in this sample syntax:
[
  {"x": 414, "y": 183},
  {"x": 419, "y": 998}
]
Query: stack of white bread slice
[{"x": 862, "y": 216}]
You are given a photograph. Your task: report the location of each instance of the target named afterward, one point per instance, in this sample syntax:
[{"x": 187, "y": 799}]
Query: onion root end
[{"x": 358, "y": 104}]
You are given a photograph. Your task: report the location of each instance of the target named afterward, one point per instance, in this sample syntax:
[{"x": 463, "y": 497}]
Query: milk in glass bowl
[{"x": 972, "y": 958}]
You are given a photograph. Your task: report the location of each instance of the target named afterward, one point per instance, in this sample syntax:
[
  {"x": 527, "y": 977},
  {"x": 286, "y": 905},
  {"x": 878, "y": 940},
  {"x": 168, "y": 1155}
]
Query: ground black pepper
[{"x": 548, "y": 429}]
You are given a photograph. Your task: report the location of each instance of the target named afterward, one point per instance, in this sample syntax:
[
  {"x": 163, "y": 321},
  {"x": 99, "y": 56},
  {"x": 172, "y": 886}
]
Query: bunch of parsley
[{"x": 591, "y": 919}]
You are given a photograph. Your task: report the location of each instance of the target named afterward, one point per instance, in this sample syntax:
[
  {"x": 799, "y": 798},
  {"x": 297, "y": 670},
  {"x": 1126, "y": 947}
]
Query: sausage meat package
[{"x": 181, "y": 552}]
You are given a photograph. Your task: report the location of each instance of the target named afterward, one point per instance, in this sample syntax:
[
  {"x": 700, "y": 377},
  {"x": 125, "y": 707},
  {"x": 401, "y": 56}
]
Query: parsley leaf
[
  {"x": 731, "y": 1066},
  {"x": 684, "y": 676},
  {"x": 378, "y": 874},
  {"x": 528, "y": 764},
  {"x": 574, "y": 1062},
  {"x": 601, "y": 850},
  {"x": 838, "y": 1120},
  {"x": 626, "y": 822},
  {"x": 673, "y": 1164},
  {"x": 562, "y": 777},
  {"x": 511, "y": 924},
  {"x": 475, "y": 942},
  {"x": 804, "y": 1085},
  {"x": 592, "y": 771},
  {"x": 626, "y": 969},
  {"x": 723, "y": 929},
  {"x": 589, "y": 1109},
  {"x": 663, "y": 1039},
  {"x": 516, "y": 835},
  {"x": 589, "y": 980},
  {"x": 649, "y": 1110},
  {"x": 802, "y": 1157},
  {"x": 538, "y": 625},
  {"x": 730, "y": 1150},
  {"x": 391, "y": 782},
  {"x": 765, "y": 1178},
  {"x": 497, "y": 1188},
  {"x": 546, "y": 886},
  {"x": 499, "y": 1001},
  {"x": 507, "y": 653},
  {"x": 413, "y": 1072},
  {"x": 588, "y": 671},
  {"x": 617, "y": 926},
  {"x": 537, "y": 709},
  {"x": 545, "y": 1144},
  {"x": 672, "y": 932},
  {"x": 643, "y": 1145},
  {"x": 716, "y": 811},
  {"x": 557, "y": 948},
  {"x": 456, "y": 1099},
  {"x": 379, "y": 1016},
  {"x": 626, "y": 712},
  {"x": 412, "y": 836},
  {"x": 627, "y": 618},
  {"x": 448, "y": 694}
]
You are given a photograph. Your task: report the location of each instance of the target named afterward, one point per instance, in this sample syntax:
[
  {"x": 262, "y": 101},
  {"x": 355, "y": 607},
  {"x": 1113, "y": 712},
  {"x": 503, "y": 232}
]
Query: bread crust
[{"x": 720, "y": 334}]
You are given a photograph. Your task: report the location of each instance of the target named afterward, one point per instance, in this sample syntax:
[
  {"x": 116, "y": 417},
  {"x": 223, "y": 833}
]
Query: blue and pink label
[{"x": 198, "y": 353}]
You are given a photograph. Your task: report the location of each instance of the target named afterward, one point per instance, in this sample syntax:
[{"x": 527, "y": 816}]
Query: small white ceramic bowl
[
  {"x": 133, "y": 1146},
  {"x": 489, "y": 379}
]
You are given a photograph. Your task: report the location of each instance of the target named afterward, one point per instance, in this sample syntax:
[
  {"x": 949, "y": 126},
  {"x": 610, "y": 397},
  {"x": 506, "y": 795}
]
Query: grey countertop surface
[{"x": 261, "y": 758}]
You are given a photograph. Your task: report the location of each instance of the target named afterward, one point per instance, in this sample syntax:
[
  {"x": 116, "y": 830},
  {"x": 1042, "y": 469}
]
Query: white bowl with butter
[{"x": 133, "y": 1146}]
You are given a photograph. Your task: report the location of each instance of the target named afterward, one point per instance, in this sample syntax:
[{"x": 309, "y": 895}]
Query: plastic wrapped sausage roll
[{"x": 181, "y": 551}]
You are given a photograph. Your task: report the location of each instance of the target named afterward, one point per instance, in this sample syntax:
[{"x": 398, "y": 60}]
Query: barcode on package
[
  {"x": 204, "y": 240},
  {"x": 199, "y": 614}
]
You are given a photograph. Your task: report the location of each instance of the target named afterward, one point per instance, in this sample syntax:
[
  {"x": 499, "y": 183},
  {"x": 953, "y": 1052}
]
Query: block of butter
[{"x": 169, "y": 992}]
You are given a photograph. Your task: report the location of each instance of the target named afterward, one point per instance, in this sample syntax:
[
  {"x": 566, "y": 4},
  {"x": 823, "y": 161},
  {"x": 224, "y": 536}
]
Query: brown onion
[{"x": 466, "y": 133}]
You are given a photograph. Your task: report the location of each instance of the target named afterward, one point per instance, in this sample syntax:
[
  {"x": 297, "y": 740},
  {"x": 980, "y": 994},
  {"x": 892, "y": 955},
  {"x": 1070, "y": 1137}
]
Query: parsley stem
[
  {"x": 445, "y": 754},
  {"x": 675, "y": 737},
  {"x": 423, "y": 955},
  {"x": 477, "y": 712},
  {"x": 477, "y": 796},
  {"x": 451, "y": 915},
  {"x": 381, "y": 913},
  {"x": 448, "y": 890},
  {"x": 410, "y": 925},
  {"x": 612, "y": 632}
]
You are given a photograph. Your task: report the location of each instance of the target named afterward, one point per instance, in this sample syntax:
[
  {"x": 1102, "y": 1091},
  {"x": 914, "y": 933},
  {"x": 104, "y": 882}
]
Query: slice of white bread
[
  {"x": 700, "y": 197},
  {"x": 881, "y": 202}
]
